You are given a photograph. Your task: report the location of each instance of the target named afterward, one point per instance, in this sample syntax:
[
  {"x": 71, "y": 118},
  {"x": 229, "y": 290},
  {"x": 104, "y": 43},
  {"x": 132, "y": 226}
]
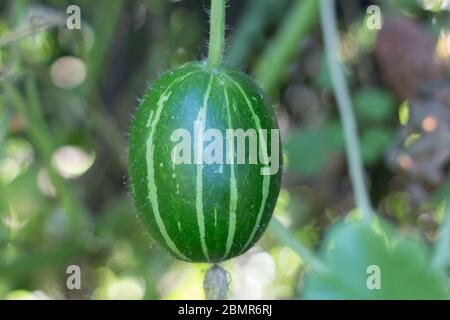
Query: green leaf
[
  {"x": 374, "y": 105},
  {"x": 410, "y": 7},
  {"x": 374, "y": 143},
  {"x": 309, "y": 150},
  {"x": 403, "y": 113},
  {"x": 351, "y": 248}
]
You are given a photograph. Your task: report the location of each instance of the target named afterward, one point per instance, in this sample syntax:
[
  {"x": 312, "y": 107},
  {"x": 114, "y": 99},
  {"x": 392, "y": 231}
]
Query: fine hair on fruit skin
[{"x": 201, "y": 212}]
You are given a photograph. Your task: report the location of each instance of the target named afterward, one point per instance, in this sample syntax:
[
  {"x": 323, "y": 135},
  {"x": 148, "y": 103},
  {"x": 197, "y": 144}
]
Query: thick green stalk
[
  {"x": 217, "y": 34},
  {"x": 330, "y": 36},
  {"x": 271, "y": 69},
  {"x": 248, "y": 34}
]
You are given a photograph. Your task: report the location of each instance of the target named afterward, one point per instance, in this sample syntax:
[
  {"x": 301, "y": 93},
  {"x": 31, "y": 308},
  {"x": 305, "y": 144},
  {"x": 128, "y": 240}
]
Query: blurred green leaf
[
  {"x": 309, "y": 150},
  {"x": 410, "y": 7},
  {"x": 374, "y": 142},
  {"x": 441, "y": 194},
  {"x": 374, "y": 105},
  {"x": 351, "y": 248},
  {"x": 398, "y": 206},
  {"x": 309, "y": 235},
  {"x": 403, "y": 113}
]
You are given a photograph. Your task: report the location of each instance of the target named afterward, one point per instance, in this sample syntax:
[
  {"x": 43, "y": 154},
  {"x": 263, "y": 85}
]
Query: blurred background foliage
[{"x": 66, "y": 98}]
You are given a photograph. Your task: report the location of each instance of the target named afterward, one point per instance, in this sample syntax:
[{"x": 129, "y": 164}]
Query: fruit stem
[
  {"x": 330, "y": 36},
  {"x": 215, "y": 283},
  {"x": 217, "y": 34}
]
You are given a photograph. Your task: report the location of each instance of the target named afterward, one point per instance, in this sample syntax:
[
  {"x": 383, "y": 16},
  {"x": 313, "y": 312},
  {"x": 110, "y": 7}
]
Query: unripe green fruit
[{"x": 202, "y": 212}]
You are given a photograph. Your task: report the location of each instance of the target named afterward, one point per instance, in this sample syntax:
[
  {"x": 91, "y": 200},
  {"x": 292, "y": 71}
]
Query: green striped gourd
[{"x": 201, "y": 212}]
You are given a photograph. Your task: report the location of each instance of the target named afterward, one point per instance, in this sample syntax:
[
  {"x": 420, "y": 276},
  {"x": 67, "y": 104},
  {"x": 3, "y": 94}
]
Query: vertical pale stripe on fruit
[
  {"x": 201, "y": 118},
  {"x": 152, "y": 189},
  {"x": 233, "y": 186},
  {"x": 266, "y": 178}
]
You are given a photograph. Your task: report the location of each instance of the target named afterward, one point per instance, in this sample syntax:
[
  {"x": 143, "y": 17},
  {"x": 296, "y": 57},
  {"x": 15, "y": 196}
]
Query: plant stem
[
  {"x": 330, "y": 35},
  {"x": 441, "y": 256},
  {"x": 288, "y": 239},
  {"x": 217, "y": 34},
  {"x": 272, "y": 66}
]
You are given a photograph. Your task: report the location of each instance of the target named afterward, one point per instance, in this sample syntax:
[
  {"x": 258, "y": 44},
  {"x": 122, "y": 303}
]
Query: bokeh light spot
[
  {"x": 68, "y": 72},
  {"x": 71, "y": 162}
]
